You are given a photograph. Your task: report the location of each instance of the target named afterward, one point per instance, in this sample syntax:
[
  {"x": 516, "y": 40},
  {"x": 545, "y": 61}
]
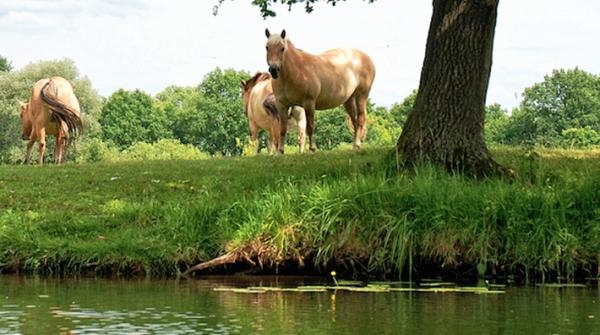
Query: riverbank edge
[{"x": 339, "y": 211}]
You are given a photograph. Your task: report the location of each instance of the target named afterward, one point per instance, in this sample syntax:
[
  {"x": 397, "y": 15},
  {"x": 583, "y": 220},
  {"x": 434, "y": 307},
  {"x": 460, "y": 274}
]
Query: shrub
[
  {"x": 580, "y": 137},
  {"x": 162, "y": 150}
]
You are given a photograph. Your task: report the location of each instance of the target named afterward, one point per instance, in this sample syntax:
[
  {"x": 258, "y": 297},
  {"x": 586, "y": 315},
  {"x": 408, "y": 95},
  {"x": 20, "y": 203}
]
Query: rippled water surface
[{"x": 96, "y": 306}]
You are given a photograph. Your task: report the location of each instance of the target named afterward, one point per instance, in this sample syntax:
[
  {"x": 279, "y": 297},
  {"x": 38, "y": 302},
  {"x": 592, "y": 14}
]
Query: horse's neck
[{"x": 295, "y": 56}]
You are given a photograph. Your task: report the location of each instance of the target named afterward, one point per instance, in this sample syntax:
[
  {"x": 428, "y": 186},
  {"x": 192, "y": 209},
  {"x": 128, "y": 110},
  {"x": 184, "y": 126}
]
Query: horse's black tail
[
  {"x": 60, "y": 111},
  {"x": 270, "y": 106}
]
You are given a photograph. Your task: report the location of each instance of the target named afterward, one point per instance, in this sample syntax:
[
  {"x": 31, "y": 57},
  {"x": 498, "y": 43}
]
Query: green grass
[{"x": 330, "y": 210}]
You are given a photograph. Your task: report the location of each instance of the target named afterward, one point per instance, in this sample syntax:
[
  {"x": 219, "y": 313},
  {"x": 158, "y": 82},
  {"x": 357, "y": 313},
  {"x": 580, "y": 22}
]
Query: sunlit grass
[{"x": 339, "y": 209}]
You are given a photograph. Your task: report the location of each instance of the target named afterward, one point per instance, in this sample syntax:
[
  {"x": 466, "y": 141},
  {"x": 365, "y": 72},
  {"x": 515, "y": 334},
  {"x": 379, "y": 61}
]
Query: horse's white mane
[{"x": 278, "y": 38}]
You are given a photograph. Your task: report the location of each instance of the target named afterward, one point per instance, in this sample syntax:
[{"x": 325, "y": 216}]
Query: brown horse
[
  {"x": 259, "y": 104},
  {"x": 316, "y": 82},
  {"x": 52, "y": 109}
]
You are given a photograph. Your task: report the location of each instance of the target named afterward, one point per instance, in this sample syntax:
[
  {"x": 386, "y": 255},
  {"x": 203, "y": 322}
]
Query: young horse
[
  {"x": 259, "y": 104},
  {"x": 52, "y": 109},
  {"x": 315, "y": 82}
]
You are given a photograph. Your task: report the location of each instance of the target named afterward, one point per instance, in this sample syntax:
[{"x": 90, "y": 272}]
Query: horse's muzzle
[
  {"x": 274, "y": 71},
  {"x": 25, "y": 137}
]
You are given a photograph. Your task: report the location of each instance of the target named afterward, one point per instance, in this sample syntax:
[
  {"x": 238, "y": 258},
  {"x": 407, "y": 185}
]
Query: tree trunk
[{"x": 447, "y": 122}]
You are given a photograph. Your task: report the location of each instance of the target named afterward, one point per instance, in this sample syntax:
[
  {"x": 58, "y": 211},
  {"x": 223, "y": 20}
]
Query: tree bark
[{"x": 446, "y": 124}]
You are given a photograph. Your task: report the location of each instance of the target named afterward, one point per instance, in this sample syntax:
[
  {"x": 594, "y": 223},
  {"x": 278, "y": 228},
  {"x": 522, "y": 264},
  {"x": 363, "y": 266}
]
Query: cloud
[{"x": 40, "y": 13}]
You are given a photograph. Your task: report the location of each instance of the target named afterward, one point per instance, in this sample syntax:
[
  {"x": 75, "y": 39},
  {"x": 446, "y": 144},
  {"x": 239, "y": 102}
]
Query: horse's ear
[
  {"x": 267, "y": 32},
  {"x": 242, "y": 83},
  {"x": 283, "y": 33}
]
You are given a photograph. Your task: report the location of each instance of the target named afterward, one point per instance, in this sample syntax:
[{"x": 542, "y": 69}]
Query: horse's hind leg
[
  {"x": 41, "y": 135},
  {"x": 309, "y": 110},
  {"x": 356, "y": 107},
  {"x": 300, "y": 117},
  {"x": 352, "y": 111},
  {"x": 361, "y": 120},
  {"x": 59, "y": 149}
]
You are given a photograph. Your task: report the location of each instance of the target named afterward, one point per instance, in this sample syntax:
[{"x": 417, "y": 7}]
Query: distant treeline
[{"x": 208, "y": 119}]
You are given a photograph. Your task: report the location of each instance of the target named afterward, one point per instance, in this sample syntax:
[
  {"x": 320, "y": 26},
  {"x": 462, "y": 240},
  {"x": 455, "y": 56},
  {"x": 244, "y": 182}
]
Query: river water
[{"x": 33, "y": 305}]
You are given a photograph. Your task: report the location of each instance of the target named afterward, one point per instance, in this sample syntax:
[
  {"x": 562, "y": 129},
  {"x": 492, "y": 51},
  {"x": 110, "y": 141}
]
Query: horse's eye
[{"x": 282, "y": 49}]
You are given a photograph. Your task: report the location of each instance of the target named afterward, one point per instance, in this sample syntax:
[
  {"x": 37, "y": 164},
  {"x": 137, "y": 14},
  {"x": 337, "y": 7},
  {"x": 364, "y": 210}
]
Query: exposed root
[
  {"x": 255, "y": 253},
  {"x": 228, "y": 258}
]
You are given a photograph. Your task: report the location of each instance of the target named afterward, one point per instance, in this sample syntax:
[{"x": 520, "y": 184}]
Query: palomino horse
[
  {"x": 52, "y": 109},
  {"x": 259, "y": 104},
  {"x": 333, "y": 78}
]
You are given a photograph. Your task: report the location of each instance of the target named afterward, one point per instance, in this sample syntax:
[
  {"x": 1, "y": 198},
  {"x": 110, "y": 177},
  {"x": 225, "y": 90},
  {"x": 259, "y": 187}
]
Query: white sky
[{"x": 156, "y": 43}]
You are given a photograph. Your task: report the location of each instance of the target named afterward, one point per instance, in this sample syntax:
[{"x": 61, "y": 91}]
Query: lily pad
[{"x": 559, "y": 285}]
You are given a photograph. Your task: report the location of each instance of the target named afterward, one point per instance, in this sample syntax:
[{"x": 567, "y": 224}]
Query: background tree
[
  {"x": 496, "y": 120},
  {"x": 383, "y": 126},
  {"x": 211, "y": 117},
  {"x": 401, "y": 110},
  {"x": 223, "y": 84},
  {"x": 446, "y": 123},
  {"x": 5, "y": 65},
  {"x": 175, "y": 100},
  {"x": 331, "y": 129},
  {"x": 15, "y": 87},
  {"x": 566, "y": 99},
  {"x": 129, "y": 117}
]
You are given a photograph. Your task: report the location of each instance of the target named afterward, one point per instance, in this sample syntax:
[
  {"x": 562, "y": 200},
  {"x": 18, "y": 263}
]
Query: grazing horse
[
  {"x": 52, "y": 109},
  {"x": 259, "y": 104},
  {"x": 316, "y": 82}
]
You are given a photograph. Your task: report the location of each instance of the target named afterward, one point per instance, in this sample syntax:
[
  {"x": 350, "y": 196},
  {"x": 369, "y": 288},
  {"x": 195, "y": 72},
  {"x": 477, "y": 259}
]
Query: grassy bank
[{"x": 337, "y": 210}]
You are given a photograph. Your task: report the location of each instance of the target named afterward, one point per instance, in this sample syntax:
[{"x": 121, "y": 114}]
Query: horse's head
[
  {"x": 26, "y": 119},
  {"x": 276, "y": 47}
]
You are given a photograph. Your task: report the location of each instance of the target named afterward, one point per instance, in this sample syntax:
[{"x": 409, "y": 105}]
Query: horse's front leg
[
  {"x": 41, "y": 135},
  {"x": 282, "y": 122},
  {"x": 254, "y": 137},
  {"x": 274, "y": 135},
  {"x": 30, "y": 144}
]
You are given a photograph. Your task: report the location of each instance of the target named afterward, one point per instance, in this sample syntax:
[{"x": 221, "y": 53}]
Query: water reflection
[{"x": 89, "y": 306}]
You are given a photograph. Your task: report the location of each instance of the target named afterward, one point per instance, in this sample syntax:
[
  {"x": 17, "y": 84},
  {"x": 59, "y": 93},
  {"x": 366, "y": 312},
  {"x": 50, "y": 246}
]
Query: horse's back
[
  {"x": 351, "y": 62},
  {"x": 63, "y": 92},
  {"x": 58, "y": 89},
  {"x": 40, "y": 113},
  {"x": 343, "y": 73}
]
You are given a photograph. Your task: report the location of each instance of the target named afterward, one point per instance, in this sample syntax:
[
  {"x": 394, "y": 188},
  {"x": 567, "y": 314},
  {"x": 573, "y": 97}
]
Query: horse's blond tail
[{"x": 61, "y": 111}]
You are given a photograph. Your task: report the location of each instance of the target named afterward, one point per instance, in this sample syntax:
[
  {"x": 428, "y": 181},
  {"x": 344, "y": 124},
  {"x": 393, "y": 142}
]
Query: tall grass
[{"x": 331, "y": 210}]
